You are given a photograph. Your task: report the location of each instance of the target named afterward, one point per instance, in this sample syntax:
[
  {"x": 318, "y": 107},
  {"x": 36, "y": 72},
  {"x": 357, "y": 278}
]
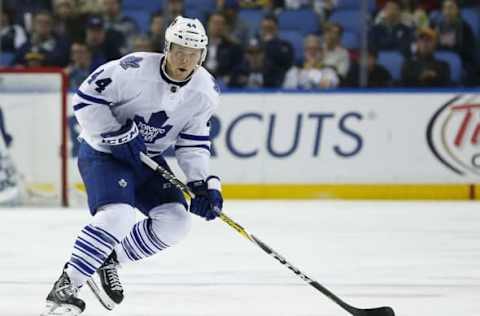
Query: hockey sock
[
  {"x": 167, "y": 224},
  {"x": 96, "y": 241}
]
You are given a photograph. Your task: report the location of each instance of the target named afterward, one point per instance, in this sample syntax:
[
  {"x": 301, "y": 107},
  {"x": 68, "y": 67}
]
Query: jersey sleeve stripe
[
  {"x": 194, "y": 137},
  {"x": 79, "y": 106},
  {"x": 192, "y": 146},
  {"x": 92, "y": 99}
]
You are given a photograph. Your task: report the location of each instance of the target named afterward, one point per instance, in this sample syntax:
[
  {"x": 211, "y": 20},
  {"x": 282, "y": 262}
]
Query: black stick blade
[{"x": 380, "y": 311}]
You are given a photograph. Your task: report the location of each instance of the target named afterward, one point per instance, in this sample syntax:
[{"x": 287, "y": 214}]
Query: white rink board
[
  {"x": 382, "y": 139},
  {"x": 342, "y": 138},
  {"x": 420, "y": 258}
]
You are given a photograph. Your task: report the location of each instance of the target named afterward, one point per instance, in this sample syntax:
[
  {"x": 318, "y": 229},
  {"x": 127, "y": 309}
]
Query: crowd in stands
[{"x": 292, "y": 44}]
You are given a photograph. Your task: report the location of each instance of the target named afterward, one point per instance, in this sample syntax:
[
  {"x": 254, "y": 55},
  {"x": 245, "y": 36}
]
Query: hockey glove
[
  {"x": 126, "y": 145},
  {"x": 208, "y": 200}
]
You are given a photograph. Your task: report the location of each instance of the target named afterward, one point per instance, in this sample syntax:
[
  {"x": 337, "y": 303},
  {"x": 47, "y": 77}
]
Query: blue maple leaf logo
[
  {"x": 155, "y": 128},
  {"x": 130, "y": 62}
]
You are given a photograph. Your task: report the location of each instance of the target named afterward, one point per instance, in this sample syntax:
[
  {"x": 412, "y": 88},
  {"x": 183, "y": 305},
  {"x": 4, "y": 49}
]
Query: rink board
[{"x": 394, "y": 145}]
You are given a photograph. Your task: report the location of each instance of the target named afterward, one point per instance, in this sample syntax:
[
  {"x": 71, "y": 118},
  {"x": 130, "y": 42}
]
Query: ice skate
[
  {"x": 62, "y": 299},
  {"x": 111, "y": 291}
]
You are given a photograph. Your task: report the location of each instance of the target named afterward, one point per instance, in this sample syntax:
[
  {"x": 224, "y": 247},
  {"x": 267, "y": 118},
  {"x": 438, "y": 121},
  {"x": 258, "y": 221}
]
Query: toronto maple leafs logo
[
  {"x": 130, "y": 62},
  {"x": 155, "y": 128}
]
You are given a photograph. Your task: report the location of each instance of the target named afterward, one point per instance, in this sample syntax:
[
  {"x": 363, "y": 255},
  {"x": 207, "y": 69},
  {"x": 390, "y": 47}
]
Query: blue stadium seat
[
  {"x": 435, "y": 16},
  {"x": 6, "y": 58},
  {"x": 296, "y": 39},
  {"x": 142, "y": 17},
  {"x": 472, "y": 17},
  {"x": 454, "y": 62},
  {"x": 354, "y": 5},
  {"x": 351, "y": 20},
  {"x": 252, "y": 18},
  {"x": 393, "y": 61},
  {"x": 200, "y": 9},
  {"x": 147, "y": 5},
  {"x": 303, "y": 20},
  {"x": 350, "y": 40},
  {"x": 206, "y": 5}
]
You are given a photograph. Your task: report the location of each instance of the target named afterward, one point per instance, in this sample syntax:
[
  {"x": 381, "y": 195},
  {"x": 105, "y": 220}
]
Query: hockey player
[{"x": 143, "y": 102}]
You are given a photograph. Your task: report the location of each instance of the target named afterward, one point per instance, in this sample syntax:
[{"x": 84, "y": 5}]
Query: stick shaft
[{"x": 242, "y": 231}]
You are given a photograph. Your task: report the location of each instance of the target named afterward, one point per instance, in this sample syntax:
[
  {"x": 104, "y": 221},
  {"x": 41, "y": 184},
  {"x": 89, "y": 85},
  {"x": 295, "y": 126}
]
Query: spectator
[
  {"x": 251, "y": 73},
  {"x": 174, "y": 8},
  {"x": 157, "y": 31},
  {"x": 223, "y": 53},
  {"x": 104, "y": 45},
  {"x": 278, "y": 53},
  {"x": 454, "y": 33},
  {"x": 411, "y": 14},
  {"x": 378, "y": 76},
  {"x": 67, "y": 23},
  {"x": 90, "y": 7},
  {"x": 313, "y": 73},
  {"x": 267, "y": 5},
  {"x": 80, "y": 66},
  {"x": 324, "y": 8},
  {"x": 297, "y": 4},
  {"x": 25, "y": 9},
  {"x": 333, "y": 53},
  {"x": 42, "y": 40},
  {"x": 34, "y": 59},
  {"x": 115, "y": 20},
  {"x": 141, "y": 43},
  {"x": 423, "y": 70},
  {"x": 12, "y": 36},
  {"x": 237, "y": 28},
  {"x": 391, "y": 33}
]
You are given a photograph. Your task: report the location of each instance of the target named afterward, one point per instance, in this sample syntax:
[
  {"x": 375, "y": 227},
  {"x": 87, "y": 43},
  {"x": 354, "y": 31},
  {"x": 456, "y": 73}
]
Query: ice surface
[{"x": 420, "y": 258}]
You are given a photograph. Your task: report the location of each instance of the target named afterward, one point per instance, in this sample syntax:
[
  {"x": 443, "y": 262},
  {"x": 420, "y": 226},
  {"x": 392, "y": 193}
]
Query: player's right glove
[
  {"x": 126, "y": 145},
  {"x": 208, "y": 200}
]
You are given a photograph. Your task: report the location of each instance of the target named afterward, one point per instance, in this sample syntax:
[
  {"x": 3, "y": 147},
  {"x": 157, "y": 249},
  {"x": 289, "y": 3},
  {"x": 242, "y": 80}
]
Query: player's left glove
[
  {"x": 208, "y": 201},
  {"x": 126, "y": 145}
]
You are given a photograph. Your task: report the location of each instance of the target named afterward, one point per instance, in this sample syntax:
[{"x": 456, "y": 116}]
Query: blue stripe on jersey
[
  {"x": 177, "y": 147},
  {"x": 92, "y": 99},
  {"x": 80, "y": 106},
  {"x": 194, "y": 137}
]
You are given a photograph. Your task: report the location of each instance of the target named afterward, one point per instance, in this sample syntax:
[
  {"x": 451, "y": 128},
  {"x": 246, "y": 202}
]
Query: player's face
[{"x": 181, "y": 61}]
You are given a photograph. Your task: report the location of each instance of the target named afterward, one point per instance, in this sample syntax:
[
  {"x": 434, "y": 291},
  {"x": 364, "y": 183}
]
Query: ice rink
[{"x": 421, "y": 258}]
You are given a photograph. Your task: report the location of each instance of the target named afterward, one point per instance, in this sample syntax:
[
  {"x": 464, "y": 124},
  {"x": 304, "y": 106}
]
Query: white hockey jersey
[{"x": 166, "y": 112}]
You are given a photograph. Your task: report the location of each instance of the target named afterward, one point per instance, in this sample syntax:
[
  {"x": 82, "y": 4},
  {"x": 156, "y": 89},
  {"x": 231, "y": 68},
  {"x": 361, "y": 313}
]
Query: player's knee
[
  {"x": 171, "y": 222},
  {"x": 117, "y": 219}
]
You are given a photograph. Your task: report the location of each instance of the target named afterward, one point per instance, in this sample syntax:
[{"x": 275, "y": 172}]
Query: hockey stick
[{"x": 380, "y": 311}]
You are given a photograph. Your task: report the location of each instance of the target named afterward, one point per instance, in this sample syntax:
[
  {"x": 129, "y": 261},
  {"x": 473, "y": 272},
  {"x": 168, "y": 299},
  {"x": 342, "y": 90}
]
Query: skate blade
[
  {"x": 102, "y": 297},
  {"x": 54, "y": 309}
]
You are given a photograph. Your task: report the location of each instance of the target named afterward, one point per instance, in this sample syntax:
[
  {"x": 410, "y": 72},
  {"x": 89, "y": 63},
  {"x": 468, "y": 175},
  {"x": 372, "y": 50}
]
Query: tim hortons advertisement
[
  {"x": 344, "y": 138},
  {"x": 453, "y": 135}
]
